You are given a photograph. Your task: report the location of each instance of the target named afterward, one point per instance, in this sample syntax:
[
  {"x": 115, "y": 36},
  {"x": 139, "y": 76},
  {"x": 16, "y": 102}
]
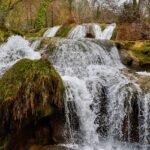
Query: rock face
[
  {"x": 31, "y": 96},
  {"x": 135, "y": 54}
]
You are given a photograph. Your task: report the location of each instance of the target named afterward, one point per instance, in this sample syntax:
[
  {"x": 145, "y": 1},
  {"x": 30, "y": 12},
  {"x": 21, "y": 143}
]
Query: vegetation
[
  {"x": 64, "y": 30},
  {"x": 41, "y": 21},
  {"x": 138, "y": 52},
  {"x": 29, "y": 92},
  {"x": 31, "y": 86}
]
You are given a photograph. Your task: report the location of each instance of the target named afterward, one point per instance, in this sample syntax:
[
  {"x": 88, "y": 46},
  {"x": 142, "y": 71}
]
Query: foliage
[
  {"x": 30, "y": 86},
  {"x": 41, "y": 15}
]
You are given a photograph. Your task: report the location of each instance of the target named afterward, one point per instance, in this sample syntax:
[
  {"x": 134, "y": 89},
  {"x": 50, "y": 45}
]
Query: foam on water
[
  {"x": 101, "y": 96},
  {"x": 14, "y": 49},
  {"x": 81, "y": 31}
]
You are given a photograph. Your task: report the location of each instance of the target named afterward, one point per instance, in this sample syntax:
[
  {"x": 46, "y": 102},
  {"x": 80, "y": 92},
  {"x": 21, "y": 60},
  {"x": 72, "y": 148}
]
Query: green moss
[
  {"x": 50, "y": 43},
  {"x": 140, "y": 50},
  {"x": 2, "y": 34},
  {"x": 103, "y": 26},
  {"x": 64, "y": 30},
  {"x": 5, "y": 33},
  {"x": 32, "y": 86},
  {"x": 115, "y": 32},
  {"x": 124, "y": 44}
]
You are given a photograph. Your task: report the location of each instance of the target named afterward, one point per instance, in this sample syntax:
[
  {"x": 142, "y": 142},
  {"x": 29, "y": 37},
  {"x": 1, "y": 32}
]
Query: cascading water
[
  {"x": 108, "y": 106},
  {"x": 105, "y": 107},
  {"x": 107, "y": 33},
  {"x": 15, "y": 49},
  {"x": 84, "y": 30},
  {"x": 51, "y": 32}
]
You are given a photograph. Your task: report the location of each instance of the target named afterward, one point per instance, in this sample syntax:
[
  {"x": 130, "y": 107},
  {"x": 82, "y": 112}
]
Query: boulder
[{"x": 31, "y": 92}]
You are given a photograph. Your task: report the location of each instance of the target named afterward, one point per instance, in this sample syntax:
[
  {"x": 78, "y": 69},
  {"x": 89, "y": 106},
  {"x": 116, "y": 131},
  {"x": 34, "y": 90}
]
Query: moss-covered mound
[
  {"x": 30, "y": 87},
  {"x": 31, "y": 94}
]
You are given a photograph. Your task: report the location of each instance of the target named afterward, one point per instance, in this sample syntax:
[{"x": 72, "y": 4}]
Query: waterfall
[
  {"x": 107, "y": 33},
  {"x": 51, "y": 32},
  {"x": 105, "y": 107},
  {"x": 14, "y": 49},
  {"x": 85, "y": 30}
]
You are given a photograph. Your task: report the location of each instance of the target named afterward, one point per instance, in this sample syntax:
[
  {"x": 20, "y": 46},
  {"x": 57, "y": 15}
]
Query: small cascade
[
  {"x": 92, "y": 30},
  {"x": 107, "y": 33},
  {"x": 14, "y": 49},
  {"x": 105, "y": 107},
  {"x": 51, "y": 32},
  {"x": 110, "y": 108},
  {"x": 34, "y": 44}
]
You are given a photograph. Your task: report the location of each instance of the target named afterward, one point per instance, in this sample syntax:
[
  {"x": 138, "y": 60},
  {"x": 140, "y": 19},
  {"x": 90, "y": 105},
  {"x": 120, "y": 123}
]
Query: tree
[
  {"x": 41, "y": 19},
  {"x": 70, "y": 5},
  {"x": 5, "y": 7}
]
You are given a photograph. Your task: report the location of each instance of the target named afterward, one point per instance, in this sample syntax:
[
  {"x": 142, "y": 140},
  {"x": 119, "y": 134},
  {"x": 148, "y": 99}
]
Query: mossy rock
[
  {"x": 30, "y": 87},
  {"x": 144, "y": 82},
  {"x": 5, "y": 33},
  {"x": 49, "y": 44},
  {"x": 64, "y": 30},
  {"x": 139, "y": 51}
]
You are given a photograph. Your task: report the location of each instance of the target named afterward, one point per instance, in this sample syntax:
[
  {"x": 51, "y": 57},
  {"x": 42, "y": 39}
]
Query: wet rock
[
  {"x": 129, "y": 60},
  {"x": 134, "y": 54},
  {"x": 57, "y": 124},
  {"x": 144, "y": 82}
]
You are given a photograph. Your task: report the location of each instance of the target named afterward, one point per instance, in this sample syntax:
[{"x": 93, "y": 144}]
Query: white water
[
  {"x": 51, "y": 32},
  {"x": 98, "y": 93},
  {"x": 107, "y": 33},
  {"x": 105, "y": 3},
  {"x": 81, "y": 31},
  {"x": 144, "y": 73},
  {"x": 14, "y": 49},
  {"x": 102, "y": 97},
  {"x": 34, "y": 45}
]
